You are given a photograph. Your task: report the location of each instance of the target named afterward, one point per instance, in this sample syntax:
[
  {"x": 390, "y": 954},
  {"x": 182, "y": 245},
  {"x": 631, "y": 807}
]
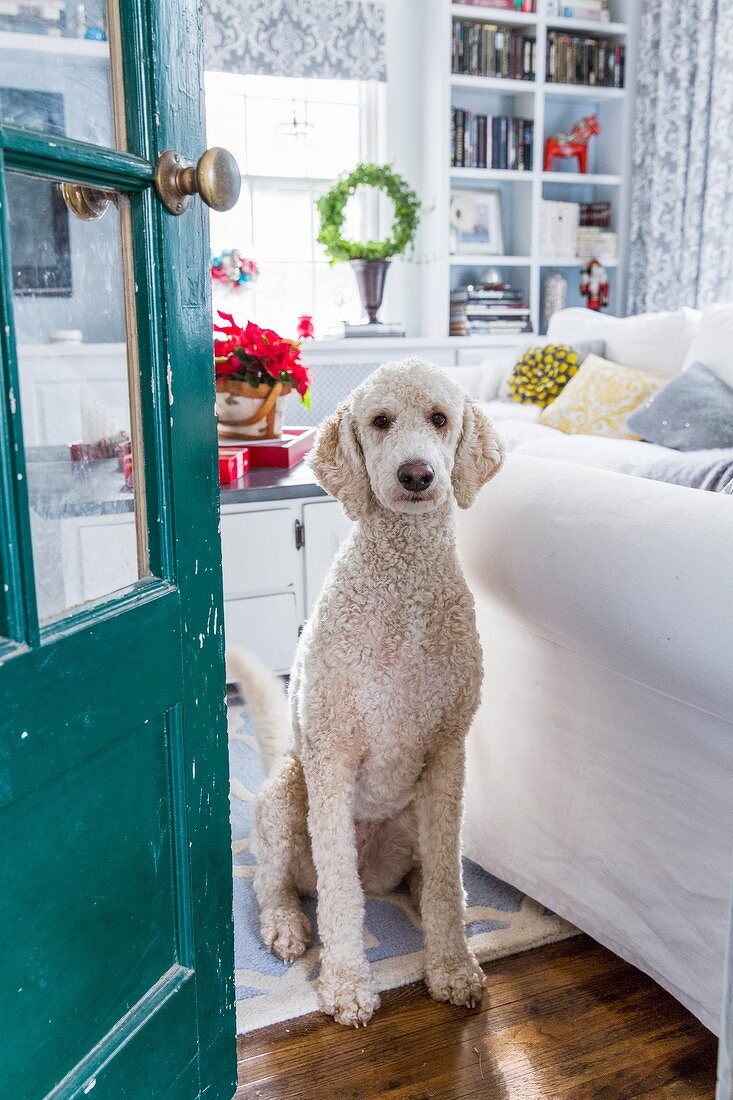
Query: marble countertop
[{"x": 59, "y": 488}]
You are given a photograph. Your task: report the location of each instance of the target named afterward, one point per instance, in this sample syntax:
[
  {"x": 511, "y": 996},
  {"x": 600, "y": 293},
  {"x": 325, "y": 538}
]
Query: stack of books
[
  {"x": 385, "y": 329},
  {"x": 595, "y": 213},
  {"x": 485, "y": 49},
  {"x": 489, "y": 309},
  {"x": 596, "y": 11},
  {"x": 579, "y": 59},
  {"x": 490, "y": 141},
  {"x": 559, "y": 223},
  {"x": 597, "y": 244}
]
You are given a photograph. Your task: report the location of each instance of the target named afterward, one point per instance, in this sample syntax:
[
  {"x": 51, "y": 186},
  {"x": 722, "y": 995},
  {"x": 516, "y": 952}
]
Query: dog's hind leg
[{"x": 282, "y": 847}]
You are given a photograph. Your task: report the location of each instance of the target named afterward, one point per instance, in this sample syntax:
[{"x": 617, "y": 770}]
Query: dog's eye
[
  {"x": 380, "y": 422},
  {"x": 439, "y": 419}
]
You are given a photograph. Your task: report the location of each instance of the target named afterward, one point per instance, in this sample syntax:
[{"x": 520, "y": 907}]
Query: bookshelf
[{"x": 552, "y": 107}]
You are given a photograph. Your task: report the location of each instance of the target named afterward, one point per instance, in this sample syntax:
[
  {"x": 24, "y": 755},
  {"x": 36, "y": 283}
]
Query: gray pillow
[{"x": 693, "y": 412}]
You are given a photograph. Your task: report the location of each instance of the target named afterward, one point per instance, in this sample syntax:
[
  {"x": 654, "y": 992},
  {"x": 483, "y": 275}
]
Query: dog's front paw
[
  {"x": 286, "y": 932},
  {"x": 347, "y": 994},
  {"x": 457, "y": 980}
]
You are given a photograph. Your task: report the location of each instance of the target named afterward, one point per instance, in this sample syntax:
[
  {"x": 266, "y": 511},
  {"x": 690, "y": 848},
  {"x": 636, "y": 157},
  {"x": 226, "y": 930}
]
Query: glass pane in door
[
  {"x": 77, "y": 363},
  {"x": 59, "y": 69}
]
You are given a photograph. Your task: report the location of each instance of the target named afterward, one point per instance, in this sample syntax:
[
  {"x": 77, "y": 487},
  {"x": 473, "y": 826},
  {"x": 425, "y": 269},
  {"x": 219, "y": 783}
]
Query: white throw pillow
[
  {"x": 713, "y": 342},
  {"x": 655, "y": 342},
  {"x": 579, "y": 323}
]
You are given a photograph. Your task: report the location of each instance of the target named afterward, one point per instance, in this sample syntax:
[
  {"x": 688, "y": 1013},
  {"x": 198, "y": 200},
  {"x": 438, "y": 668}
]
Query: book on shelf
[
  {"x": 559, "y": 224},
  {"x": 487, "y": 309},
  {"x": 486, "y": 49},
  {"x": 504, "y": 293},
  {"x": 597, "y": 244},
  {"x": 491, "y": 141},
  {"x": 344, "y": 330},
  {"x": 595, "y": 214},
  {"x": 596, "y": 11},
  {"x": 583, "y": 59},
  {"x": 527, "y": 6}
]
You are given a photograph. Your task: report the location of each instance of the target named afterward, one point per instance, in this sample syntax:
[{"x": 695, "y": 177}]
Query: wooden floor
[{"x": 567, "y": 1022}]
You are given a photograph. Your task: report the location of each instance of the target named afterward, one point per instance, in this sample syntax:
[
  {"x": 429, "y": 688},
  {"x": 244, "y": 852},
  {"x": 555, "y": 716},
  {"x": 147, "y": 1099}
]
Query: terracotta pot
[{"x": 250, "y": 412}]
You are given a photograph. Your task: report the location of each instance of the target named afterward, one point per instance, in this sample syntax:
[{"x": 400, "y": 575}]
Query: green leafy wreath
[{"x": 332, "y": 209}]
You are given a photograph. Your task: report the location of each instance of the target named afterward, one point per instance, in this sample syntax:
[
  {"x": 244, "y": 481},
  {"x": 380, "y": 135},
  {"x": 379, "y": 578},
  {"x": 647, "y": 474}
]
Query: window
[{"x": 291, "y": 138}]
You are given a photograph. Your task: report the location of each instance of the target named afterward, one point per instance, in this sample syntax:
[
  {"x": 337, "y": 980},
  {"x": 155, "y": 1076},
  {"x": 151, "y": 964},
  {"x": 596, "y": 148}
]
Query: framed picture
[
  {"x": 476, "y": 222},
  {"x": 37, "y": 211}
]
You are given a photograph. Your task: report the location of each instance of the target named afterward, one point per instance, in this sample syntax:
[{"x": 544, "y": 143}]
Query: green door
[{"x": 116, "y": 956}]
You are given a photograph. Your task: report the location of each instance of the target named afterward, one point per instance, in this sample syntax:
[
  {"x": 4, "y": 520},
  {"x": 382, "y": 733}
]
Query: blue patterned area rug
[{"x": 500, "y": 920}]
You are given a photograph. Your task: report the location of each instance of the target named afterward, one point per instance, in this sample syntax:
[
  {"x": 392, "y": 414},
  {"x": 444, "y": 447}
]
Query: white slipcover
[{"x": 600, "y": 765}]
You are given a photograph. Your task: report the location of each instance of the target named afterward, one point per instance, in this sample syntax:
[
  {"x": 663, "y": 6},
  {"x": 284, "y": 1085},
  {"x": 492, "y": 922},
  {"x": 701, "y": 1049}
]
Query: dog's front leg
[
  {"x": 345, "y": 985},
  {"x": 451, "y": 971}
]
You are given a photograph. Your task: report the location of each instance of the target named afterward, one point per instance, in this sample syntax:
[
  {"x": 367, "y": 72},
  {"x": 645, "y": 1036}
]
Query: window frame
[{"x": 372, "y": 102}]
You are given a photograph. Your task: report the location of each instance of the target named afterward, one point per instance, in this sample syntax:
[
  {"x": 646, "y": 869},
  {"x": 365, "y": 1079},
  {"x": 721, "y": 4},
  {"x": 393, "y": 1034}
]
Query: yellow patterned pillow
[
  {"x": 542, "y": 373},
  {"x": 600, "y": 398}
]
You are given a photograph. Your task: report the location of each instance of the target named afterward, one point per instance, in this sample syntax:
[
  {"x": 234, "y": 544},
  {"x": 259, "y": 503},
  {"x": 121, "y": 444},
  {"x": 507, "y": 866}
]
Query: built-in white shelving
[
  {"x": 587, "y": 26},
  {"x": 553, "y": 107},
  {"x": 570, "y": 261},
  {"x": 508, "y": 18},
  {"x": 481, "y": 259}
]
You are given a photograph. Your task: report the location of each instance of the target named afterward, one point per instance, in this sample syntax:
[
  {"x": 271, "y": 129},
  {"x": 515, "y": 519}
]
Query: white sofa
[{"x": 600, "y": 765}]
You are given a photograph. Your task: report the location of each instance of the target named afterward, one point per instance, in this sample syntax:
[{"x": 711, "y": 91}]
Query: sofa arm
[{"x": 632, "y": 573}]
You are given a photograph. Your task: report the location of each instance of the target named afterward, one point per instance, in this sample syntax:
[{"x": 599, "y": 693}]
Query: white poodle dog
[{"x": 368, "y": 788}]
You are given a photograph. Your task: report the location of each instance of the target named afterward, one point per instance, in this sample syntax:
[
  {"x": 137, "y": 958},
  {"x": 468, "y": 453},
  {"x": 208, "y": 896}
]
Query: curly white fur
[{"x": 386, "y": 680}]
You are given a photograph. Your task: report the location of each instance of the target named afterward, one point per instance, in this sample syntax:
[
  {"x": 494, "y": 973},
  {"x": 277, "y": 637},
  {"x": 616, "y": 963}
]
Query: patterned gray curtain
[
  {"x": 332, "y": 39},
  {"x": 681, "y": 249}
]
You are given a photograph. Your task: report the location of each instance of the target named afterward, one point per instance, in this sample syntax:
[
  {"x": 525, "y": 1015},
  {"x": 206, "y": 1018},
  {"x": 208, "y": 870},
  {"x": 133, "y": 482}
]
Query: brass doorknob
[{"x": 216, "y": 178}]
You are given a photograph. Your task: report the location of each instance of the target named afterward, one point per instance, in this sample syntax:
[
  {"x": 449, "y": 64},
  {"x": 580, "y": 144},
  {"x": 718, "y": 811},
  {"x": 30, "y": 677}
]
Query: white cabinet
[
  {"x": 326, "y": 526},
  {"x": 276, "y": 555},
  {"x": 265, "y": 625},
  {"x": 258, "y": 551}
]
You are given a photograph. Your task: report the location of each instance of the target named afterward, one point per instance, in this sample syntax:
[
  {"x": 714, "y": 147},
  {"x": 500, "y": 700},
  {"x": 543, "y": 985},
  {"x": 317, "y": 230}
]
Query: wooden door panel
[
  {"x": 151, "y": 1052},
  {"x": 88, "y": 709},
  {"x": 116, "y": 862}
]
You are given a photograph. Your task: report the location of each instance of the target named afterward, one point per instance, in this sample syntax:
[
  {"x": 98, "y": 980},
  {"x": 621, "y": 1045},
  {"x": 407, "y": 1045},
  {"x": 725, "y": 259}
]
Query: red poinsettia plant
[{"x": 256, "y": 355}]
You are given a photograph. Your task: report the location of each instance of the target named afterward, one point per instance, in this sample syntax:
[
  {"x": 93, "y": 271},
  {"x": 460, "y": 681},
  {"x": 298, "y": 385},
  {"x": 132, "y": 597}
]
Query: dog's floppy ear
[
  {"x": 337, "y": 461},
  {"x": 479, "y": 454}
]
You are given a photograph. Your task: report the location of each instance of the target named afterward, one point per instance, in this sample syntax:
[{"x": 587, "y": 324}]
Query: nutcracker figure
[{"x": 594, "y": 285}]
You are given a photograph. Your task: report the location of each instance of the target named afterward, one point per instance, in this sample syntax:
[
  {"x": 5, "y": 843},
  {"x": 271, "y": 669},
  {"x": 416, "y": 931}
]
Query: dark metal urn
[{"x": 370, "y": 276}]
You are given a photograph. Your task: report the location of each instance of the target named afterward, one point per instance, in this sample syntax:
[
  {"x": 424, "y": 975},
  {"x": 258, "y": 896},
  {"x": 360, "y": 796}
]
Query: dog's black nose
[{"x": 415, "y": 476}]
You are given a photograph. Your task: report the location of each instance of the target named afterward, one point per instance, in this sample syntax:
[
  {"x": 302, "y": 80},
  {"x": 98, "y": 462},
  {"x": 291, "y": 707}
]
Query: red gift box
[
  {"x": 233, "y": 464},
  {"x": 127, "y": 471},
  {"x": 284, "y": 453}
]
